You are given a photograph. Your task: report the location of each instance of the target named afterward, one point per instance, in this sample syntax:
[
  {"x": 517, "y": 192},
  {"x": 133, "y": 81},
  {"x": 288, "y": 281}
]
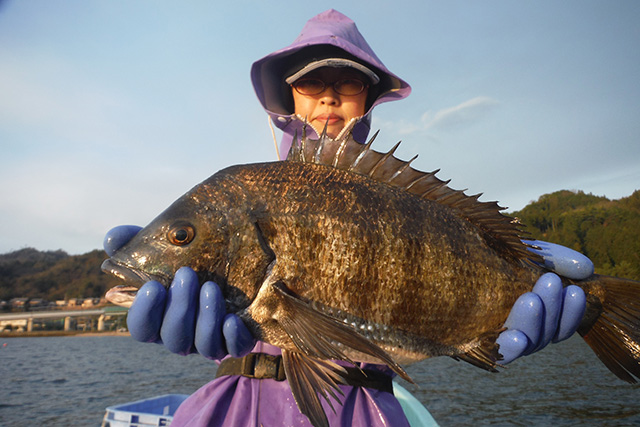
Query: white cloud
[
  {"x": 461, "y": 115},
  {"x": 457, "y": 117},
  {"x": 398, "y": 128}
]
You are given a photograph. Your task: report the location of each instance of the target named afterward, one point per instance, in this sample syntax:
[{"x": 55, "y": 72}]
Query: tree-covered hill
[
  {"x": 607, "y": 231},
  {"x": 53, "y": 275}
]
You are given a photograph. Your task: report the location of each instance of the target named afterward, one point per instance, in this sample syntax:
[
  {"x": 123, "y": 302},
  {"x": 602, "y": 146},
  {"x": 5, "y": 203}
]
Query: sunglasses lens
[
  {"x": 309, "y": 86},
  {"x": 349, "y": 86}
]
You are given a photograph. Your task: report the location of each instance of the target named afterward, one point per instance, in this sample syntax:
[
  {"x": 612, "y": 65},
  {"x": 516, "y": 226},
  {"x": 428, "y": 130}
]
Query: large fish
[{"x": 341, "y": 252}]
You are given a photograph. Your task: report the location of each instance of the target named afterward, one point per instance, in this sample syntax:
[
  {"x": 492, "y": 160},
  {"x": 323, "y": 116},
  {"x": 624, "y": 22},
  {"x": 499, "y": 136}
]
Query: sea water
[{"x": 69, "y": 381}]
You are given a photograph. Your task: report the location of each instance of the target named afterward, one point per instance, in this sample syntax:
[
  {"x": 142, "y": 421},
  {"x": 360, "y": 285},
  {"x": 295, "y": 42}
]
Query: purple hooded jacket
[
  {"x": 327, "y": 35},
  {"x": 242, "y": 401}
]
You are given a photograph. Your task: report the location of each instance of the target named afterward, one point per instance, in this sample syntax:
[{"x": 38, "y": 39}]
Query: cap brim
[{"x": 334, "y": 63}]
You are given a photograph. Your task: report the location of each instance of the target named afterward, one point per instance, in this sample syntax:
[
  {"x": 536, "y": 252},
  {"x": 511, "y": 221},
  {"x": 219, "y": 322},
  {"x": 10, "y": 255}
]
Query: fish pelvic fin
[
  {"x": 500, "y": 231},
  {"x": 611, "y": 324},
  {"x": 485, "y": 354},
  {"x": 309, "y": 376}
]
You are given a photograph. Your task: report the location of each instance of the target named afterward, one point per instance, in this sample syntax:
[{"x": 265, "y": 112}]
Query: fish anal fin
[
  {"x": 485, "y": 353},
  {"x": 309, "y": 376}
]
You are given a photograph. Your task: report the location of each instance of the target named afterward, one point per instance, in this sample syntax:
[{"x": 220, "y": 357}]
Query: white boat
[{"x": 155, "y": 411}]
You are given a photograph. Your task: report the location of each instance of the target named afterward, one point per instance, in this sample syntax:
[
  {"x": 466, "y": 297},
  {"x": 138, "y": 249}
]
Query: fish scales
[
  {"x": 379, "y": 253},
  {"x": 345, "y": 253}
]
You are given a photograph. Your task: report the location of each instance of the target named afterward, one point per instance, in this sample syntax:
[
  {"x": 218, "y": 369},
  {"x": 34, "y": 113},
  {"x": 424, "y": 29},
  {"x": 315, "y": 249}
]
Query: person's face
[{"x": 330, "y": 107}]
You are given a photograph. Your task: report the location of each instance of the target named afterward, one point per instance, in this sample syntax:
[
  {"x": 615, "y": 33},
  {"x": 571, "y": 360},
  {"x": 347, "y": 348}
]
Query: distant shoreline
[{"x": 38, "y": 334}]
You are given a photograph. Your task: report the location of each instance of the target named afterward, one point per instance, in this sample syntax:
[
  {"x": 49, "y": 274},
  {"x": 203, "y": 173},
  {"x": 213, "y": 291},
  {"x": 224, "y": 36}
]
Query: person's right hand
[{"x": 187, "y": 318}]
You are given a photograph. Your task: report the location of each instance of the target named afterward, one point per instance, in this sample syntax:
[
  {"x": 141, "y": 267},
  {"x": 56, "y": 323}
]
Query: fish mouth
[
  {"x": 123, "y": 295},
  {"x": 131, "y": 274}
]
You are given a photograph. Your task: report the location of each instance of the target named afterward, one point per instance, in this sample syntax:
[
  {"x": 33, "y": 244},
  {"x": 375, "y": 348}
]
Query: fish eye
[{"x": 181, "y": 234}]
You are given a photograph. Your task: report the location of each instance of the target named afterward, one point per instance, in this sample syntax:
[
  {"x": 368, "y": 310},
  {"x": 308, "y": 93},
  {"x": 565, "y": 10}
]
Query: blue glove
[
  {"x": 549, "y": 313},
  {"x": 118, "y": 237},
  {"x": 562, "y": 260},
  {"x": 187, "y": 318}
]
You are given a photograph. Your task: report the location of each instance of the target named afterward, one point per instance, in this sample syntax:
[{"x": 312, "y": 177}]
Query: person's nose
[{"x": 330, "y": 96}]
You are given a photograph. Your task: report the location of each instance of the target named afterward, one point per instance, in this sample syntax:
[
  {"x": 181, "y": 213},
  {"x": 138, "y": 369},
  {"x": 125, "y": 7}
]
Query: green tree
[{"x": 606, "y": 231}]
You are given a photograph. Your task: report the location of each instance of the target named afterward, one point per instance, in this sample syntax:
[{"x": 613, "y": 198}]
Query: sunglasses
[{"x": 347, "y": 87}]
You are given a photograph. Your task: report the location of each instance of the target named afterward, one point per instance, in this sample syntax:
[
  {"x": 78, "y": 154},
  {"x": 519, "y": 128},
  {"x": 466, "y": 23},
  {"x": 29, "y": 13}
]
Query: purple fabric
[
  {"x": 328, "y": 34},
  {"x": 241, "y": 401}
]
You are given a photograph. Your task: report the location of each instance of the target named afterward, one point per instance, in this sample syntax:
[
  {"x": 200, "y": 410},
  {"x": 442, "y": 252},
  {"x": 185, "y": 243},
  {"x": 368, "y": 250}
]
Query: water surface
[{"x": 60, "y": 381}]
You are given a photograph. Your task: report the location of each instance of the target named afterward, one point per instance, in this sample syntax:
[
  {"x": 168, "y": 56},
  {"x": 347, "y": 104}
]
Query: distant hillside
[
  {"x": 607, "y": 231},
  {"x": 53, "y": 275}
]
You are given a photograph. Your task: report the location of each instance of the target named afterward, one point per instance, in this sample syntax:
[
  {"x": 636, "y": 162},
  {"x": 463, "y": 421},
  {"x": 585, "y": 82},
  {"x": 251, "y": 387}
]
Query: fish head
[{"x": 190, "y": 233}]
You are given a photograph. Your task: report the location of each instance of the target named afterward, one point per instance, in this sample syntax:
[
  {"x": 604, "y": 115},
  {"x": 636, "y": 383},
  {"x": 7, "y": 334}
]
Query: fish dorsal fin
[{"x": 501, "y": 232}]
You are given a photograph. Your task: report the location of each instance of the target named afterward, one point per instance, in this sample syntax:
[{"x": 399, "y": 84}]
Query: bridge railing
[{"x": 67, "y": 315}]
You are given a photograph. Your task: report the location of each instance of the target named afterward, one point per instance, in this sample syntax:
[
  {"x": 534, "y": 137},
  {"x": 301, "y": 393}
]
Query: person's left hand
[
  {"x": 549, "y": 313},
  {"x": 188, "y": 318}
]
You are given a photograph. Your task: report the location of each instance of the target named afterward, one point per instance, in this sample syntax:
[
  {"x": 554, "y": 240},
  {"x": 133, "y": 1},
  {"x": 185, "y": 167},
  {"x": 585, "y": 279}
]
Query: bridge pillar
[
  {"x": 30, "y": 324},
  {"x": 101, "y": 323},
  {"x": 67, "y": 323}
]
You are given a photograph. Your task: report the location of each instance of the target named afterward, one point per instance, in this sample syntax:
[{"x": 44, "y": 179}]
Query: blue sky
[{"x": 110, "y": 110}]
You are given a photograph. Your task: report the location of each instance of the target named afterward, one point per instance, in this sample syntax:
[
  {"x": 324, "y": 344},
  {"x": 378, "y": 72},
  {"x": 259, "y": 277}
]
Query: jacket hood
[{"x": 327, "y": 35}]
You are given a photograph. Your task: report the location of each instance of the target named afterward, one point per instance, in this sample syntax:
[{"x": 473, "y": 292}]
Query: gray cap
[{"x": 335, "y": 63}]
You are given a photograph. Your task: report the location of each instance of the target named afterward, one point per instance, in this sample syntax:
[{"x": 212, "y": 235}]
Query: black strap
[
  {"x": 368, "y": 378},
  {"x": 254, "y": 365},
  {"x": 265, "y": 366}
]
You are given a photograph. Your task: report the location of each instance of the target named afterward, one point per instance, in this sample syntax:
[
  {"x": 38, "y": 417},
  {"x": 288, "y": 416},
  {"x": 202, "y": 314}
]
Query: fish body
[
  {"x": 409, "y": 274},
  {"x": 342, "y": 252}
]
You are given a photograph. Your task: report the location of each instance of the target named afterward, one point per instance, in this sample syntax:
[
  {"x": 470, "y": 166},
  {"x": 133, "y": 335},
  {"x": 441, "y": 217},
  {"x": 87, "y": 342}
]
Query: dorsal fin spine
[
  {"x": 383, "y": 159},
  {"x": 431, "y": 192},
  {"x": 425, "y": 176},
  {"x": 452, "y": 198},
  {"x": 318, "y": 151},
  {"x": 402, "y": 169},
  {"x": 363, "y": 152},
  {"x": 340, "y": 152},
  {"x": 373, "y": 138},
  {"x": 303, "y": 145}
]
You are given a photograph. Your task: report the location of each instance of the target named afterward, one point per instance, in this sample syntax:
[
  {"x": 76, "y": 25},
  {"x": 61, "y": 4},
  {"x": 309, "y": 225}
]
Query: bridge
[{"x": 25, "y": 319}]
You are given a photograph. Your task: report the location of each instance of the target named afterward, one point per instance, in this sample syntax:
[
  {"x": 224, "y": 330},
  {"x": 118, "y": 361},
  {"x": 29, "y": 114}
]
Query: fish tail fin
[{"x": 611, "y": 324}]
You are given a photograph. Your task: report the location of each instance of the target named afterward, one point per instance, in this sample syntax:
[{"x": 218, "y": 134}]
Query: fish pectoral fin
[
  {"x": 307, "y": 376},
  {"x": 485, "y": 354},
  {"x": 316, "y": 335}
]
